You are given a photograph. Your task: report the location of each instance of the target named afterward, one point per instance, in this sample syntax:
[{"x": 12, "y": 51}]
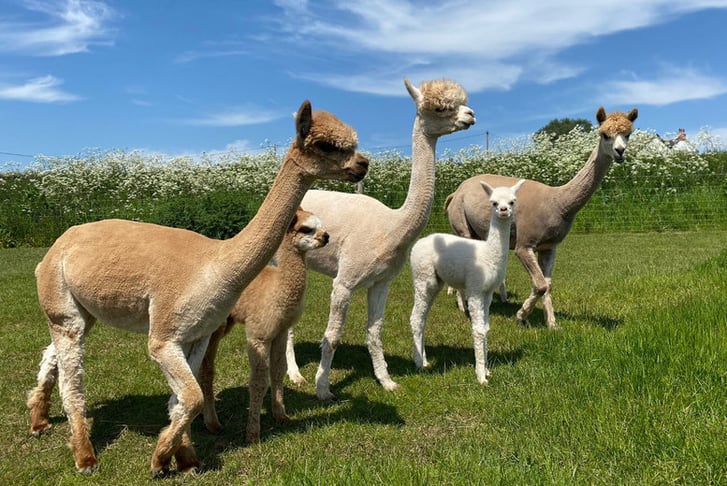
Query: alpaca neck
[
  {"x": 498, "y": 239},
  {"x": 245, "y": 254},
  {"x": 413, "y": 215},
  {"x": 290, "y": 276},
  {"x": 576, "y": 193}
]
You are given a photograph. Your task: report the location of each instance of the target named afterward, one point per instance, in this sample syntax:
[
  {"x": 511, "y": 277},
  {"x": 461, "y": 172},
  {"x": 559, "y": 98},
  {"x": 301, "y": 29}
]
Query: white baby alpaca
[{"x": 473, "y": 267}]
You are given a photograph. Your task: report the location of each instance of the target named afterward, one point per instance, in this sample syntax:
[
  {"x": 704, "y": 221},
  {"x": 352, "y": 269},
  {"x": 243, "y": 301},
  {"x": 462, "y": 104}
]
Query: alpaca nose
[
  {"x": 362, "y": 162},
  {"x": 325, "y": 238}
]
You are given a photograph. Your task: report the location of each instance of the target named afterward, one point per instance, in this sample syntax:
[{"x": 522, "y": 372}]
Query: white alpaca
[
  {"x": 473, "y": 267},
  {"x": 370, "y": 241},
  {"x": 175, "y": 285},
  {"x": 546, "y": 212},
  {"x": 269, "y": 307}
]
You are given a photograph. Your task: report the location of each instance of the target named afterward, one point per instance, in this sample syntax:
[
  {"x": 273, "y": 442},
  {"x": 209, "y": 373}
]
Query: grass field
[{"x": 632, "y": 390}]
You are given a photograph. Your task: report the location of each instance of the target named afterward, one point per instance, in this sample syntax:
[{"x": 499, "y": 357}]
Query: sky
[{"x": 190, "y": 77}]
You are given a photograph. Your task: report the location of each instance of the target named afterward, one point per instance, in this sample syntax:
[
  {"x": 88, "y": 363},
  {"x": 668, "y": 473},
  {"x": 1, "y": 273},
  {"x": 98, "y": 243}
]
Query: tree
[{"x": 561, "y": 126}]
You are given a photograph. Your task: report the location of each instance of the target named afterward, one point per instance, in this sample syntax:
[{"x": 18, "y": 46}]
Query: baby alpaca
[
  {"x": 268, "y": 307},
  {"x": 473, "y": 267}
]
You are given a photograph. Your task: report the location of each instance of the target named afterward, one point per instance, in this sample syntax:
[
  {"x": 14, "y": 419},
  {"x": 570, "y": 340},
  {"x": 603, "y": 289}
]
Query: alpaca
[
  {"x": 268, "y": 307},
  {"x": 370, "y": 241},
  {"x": 546, "y": 213},
  {"x": 174, "y": 284},
  {"x": 473, "y": 267}
]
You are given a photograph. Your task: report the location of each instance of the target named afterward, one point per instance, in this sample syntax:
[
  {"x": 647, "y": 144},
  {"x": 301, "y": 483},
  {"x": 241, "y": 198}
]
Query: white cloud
[
  {"x": 673, "y": 86},
  {"x": 240, "y": 117},
  {"x": 67, "y": 27},
  {"x": 39, "y": 90},
  {"x": 509, "y": 41}
]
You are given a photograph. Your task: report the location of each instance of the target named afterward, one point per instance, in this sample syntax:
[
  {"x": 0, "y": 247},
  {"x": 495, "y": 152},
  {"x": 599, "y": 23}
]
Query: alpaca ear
[
  {"x": 414, "y": 92},
  {"x": 633, "y": 114},
  {"x": 601, "y": 115},
  {"x": 303, "y": 121},
  {"x": 517, "y": 186},
  {"x": 487, "y": 188}
]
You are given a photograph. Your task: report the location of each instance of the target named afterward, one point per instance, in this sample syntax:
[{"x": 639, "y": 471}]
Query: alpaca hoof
[
  {"x": 86, "y": 463},
  {"x": 390, "y": 385},
  {"x": 297, "y": 379},
  {"x": 160, "y": 473},
  {"x": 282, "y": 418},
  {"x": 553, "y": 326},
  {"x": 38, "y": 430},
  {"x": 325, "y": 395},
  {"x": 252, "y": 439},
  {"x": 191, "y": 470},
  {"x": 213, "y": 427}
]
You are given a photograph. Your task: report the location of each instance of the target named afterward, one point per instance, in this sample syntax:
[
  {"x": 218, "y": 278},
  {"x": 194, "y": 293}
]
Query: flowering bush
[{"x": 654, "y": 189}]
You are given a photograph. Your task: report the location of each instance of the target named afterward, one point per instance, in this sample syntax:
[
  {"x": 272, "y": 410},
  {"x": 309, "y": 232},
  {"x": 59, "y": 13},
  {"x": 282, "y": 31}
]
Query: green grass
[{"x": 632, "y": 390}]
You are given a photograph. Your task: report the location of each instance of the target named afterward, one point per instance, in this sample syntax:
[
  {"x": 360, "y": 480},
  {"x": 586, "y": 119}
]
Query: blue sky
[{"x": 184, "y": 77}]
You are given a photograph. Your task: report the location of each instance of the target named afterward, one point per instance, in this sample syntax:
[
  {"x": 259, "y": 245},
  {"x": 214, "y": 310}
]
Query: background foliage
[{"x": 653, "y": 190}]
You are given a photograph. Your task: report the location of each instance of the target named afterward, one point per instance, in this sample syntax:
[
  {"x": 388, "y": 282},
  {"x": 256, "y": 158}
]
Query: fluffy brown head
[
  {"x": 616, "y": 123},
  {"x": 442, "y": 94},
  {"x": 324, "y": 146}
]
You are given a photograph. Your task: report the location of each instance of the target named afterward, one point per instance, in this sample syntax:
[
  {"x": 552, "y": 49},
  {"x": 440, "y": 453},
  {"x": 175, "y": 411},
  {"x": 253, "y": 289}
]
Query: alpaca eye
[
  {"x": 325, "y": 147},
  {"x": 305, "y": 230},
  {"x": 605, "y": 136},
  {"x": 494, "y": 204},
  {"x": 440, "y": 109}
]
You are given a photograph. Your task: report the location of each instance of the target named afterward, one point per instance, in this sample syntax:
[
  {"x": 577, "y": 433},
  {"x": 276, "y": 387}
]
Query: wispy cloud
[
  {"x": 672, "y": 86},
  {"x": 212, "y": 49},
  {"x": 48, "y": 28},
  {"x": 236, "y": 118},
  {"x": 507, "y": 41},
  {"x": 38, "y": 90}
]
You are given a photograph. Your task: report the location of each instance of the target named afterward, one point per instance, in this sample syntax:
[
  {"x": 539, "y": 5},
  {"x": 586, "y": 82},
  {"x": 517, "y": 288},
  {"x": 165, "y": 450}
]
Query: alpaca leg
[
  {"x": 186, "y": 403},
  {"x": 546, "y": 260},
  {"x": 292, "y": 364},
  {"x": 503, "y": 291},
  {"x": 186, "y": 456},
  {"x": 258, "y": 353},
  {"x": 425, "y": 290},
  {"x": 479, "y": 306},
  {"x": 377, "y": 295},
  {"x": 530, "y": 262},
  {"x": 39, "y": 397},
  {"x": 278, "y": 368},
  {"x": 340, "y": 301},
  {"x": 206, "y": 381},
  {"x": 68, "y": 340}
]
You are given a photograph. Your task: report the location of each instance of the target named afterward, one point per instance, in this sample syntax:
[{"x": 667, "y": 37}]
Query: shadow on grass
[
  {"x": 147, "y": 415},
  {"x": 356, "y": 359},
  {"x": 537, "y": 319}
]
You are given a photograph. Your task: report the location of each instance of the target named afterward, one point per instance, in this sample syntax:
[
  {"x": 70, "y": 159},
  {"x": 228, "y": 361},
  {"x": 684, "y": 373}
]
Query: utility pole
[{"x": 487, "y": 142}]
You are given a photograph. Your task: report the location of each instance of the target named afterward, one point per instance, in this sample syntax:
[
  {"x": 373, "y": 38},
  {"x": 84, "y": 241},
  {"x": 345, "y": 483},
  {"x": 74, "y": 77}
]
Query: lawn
[{"x": 632, "y": 390}]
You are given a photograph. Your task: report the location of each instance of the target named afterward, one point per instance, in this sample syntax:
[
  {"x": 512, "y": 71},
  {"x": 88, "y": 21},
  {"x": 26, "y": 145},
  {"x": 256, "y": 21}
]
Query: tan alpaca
[
  {"x": 369, "y": 241},
  {"x": 545, "y": 214},
  {"x": 175, "y": 285},
  {"x": 268, "y": 307}
]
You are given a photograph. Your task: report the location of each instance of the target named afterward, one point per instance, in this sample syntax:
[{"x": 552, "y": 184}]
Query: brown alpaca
[
  {"x": 174, "y": 284},
  {"x": 545, "y": 214},
  {"x": 268, "y": 307}
]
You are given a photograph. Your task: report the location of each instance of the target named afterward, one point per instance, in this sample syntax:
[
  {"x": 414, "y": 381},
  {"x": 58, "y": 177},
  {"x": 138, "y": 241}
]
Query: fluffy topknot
[
  {"x": 326, "y": 126},
  {"x": 616, "y": 123},
  {"x": 442, "y": 94}
]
